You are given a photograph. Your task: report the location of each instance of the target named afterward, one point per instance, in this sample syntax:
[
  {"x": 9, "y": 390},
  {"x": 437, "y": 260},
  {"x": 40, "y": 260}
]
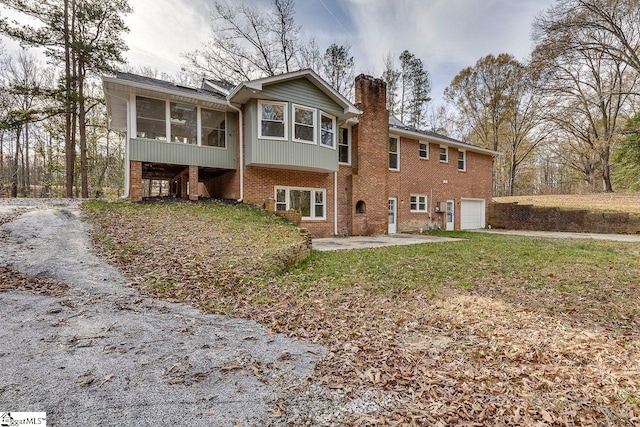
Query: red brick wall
[
  {"x": 428, "y": 176},
  {"x": 259, "y": 185},
  {"x": 194, "y": 193},
  {"x": 135, "y": 181},
  {"x": 370, "y": 140}
]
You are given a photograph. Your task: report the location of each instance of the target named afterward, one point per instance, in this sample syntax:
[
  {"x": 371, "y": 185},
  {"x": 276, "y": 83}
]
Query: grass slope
[{"x": 495, "y": 330}]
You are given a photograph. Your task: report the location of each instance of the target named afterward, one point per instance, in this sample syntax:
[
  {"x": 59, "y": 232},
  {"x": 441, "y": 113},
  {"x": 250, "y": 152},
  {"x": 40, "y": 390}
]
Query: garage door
[{"x": 471, "y": 214}]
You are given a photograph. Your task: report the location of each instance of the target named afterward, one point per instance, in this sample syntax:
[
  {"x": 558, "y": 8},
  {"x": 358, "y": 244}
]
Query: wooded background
[{"x": 566, "y": 120}]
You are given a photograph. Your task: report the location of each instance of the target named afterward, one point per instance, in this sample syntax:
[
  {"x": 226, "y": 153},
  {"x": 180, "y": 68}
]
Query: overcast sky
[{"x": 447, "y": 35}]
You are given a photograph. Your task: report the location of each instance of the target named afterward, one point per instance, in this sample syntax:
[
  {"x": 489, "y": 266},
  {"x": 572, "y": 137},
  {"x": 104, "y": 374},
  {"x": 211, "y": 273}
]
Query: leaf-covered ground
[{"x": 492, "y": 330}]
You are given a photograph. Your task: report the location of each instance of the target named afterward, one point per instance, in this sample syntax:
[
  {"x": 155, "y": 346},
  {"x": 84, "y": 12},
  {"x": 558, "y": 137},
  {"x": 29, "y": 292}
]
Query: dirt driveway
[{"x": 102, "y": 355}]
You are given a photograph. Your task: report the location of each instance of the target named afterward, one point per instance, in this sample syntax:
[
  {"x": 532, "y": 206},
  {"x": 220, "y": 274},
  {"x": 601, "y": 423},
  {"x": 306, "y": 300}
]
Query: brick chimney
[{"x": 370, "y": 151}]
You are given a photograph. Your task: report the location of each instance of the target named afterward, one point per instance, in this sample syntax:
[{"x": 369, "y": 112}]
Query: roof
[
  {"x": 396, "y": 127},
  {"x": 118, "y": 90},
  {"x": 187, "y": 90},
  {"x": 217, "y": 86},
  {"x": 247, "y": 90}
]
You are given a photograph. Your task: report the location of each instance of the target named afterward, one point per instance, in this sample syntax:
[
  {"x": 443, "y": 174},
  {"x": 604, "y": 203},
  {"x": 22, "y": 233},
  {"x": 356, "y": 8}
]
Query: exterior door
[
  {"x": 393, "y": 215},
  {"x": 450, "y": 214}
]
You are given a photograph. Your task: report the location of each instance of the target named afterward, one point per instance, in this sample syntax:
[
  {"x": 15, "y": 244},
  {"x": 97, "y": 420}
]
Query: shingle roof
[
  {"x": 395, "y": 124},
  {"x": 162, "y": 84}
]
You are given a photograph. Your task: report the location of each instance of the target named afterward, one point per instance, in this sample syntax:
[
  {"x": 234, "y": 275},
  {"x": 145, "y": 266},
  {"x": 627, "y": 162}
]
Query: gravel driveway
[{"x": 102, "y": 355}]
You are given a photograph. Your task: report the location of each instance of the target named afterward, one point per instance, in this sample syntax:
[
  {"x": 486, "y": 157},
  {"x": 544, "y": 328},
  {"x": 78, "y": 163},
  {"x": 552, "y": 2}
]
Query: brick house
[{"x": 292, "y": 143}]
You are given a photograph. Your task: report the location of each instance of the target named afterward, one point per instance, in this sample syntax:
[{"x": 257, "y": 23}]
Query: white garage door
[{"x": 471, "y": 214}]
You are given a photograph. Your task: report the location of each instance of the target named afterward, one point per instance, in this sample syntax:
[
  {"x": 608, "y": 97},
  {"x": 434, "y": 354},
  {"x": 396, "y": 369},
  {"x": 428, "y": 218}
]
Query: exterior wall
[
  {"x": 369, "y": 181},
  {"x": 302, "y": 92},
  {"x": 135, "y": 181},
  {"x": 528, "y": 217},
  {"x": 194, "y": 192},
  {"x": 439, "y": 181},
  {"x": 260, "y": 182},
  {"x": 152, "y": 151},
  {"x": 288, "y": 153}
]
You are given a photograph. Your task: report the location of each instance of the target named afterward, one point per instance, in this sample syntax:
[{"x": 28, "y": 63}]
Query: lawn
[
  {"x": 604, "y": 202},
  {"x": 492, "y": 329}
]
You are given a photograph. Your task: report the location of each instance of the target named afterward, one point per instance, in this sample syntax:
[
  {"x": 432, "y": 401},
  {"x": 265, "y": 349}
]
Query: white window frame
[
  {"x": 334, "y": 138},
  {"x": 420, "y": 150},
  {"x": 417, "y": 203},
  {"x": 397, "y": 153},
  {"x": 464, "y": 160},
  {"x": 446, "y": 154},
  {"x": 312, "y": 200},
  {"x": 167, "y": 119},
  {"x": 293, "y": 124},
  {"x": 285, "y": 109},
  {"x": 348, "y": 145}
]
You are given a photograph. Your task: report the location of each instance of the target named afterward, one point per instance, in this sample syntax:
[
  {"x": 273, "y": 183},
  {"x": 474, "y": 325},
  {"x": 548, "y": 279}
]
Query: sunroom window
[
  {"x": 213, "y": 128},
  {"x": 327, "y": 131},
  {"x": 151, "y": 118},
  {"x": 184, "y": 123},
  {"x": 304, "y": 124},
  {"x": 273, "y": 120}
]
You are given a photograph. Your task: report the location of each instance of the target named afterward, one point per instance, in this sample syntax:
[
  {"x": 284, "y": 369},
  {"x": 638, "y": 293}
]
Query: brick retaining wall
[{"x": 529, "y": 217}]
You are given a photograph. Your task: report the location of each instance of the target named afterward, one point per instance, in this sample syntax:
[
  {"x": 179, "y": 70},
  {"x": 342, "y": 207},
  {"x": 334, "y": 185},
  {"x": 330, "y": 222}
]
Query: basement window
[
  {"x": 310, "y": 202},
  {"x": 418, "y": 203}
]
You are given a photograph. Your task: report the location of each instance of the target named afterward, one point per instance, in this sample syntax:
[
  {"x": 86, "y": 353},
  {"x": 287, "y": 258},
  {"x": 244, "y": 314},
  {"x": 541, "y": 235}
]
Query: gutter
[{"x": 241, "y": 147}]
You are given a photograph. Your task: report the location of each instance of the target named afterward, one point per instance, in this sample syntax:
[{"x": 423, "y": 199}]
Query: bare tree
[
  {"x": 580, "y": 25},
  {"x": 592, "y": 89},
  {"x": 248, "y": 43}
]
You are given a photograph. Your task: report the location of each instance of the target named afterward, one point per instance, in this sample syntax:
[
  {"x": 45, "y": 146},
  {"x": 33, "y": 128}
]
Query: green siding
[
  {"x": 294, "y": 155},
  {"x": 289, "y": 154},
  {"x": 148, "y": 150},
  {"x": 303, "y": 92}
]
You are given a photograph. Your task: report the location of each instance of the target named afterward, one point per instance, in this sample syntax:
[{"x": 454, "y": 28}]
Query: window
[
  {"x": 151, "y": 116},
  {"x": 418, "y": 203},
  {"x": 304, "y": 124},
  {"x": 273, "y": 120},
  {"x": 184, "y": 124},
  {"x": 424, "y": 150},
  {"x": 327, "y": 131},
  {"x": 462, "y": 160},
  {"x": 344, "y": 146},
  {"x": 444, "y": 154},
  {"x": 393, "y": 153},
  {"x": 213, "y": 128},
  {"x": 309, "y": 202}
]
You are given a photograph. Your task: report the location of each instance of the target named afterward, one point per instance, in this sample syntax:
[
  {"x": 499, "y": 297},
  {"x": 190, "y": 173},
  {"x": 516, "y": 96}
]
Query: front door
[
  {"x": 393, "y": 213},
  {"x": 450, "y": 215}
]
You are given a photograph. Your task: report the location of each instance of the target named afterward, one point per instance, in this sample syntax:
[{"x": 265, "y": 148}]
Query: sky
[{"x": 448, "y": 35}]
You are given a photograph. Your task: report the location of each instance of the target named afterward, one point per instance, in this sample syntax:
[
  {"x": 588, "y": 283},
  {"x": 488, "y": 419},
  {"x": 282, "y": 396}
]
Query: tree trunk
[
  {"x": 82, "y": 126},
  {"x": 27, "y": 169},
  {"x": 14, "y": 172},
  {"x": 69, "y": 145}
]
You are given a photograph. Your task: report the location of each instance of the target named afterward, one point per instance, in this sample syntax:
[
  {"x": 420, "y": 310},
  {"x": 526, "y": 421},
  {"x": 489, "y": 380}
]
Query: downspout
[
  {"x": 335, "y": 203},
  {"x": 241, "y": 148}
]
